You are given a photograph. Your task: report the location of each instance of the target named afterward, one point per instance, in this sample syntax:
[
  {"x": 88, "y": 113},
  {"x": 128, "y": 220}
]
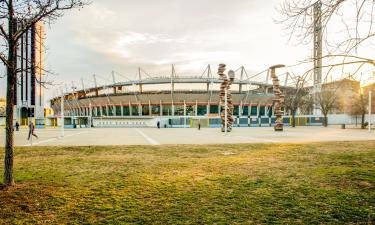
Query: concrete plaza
[{"x": 154, "y": 136}]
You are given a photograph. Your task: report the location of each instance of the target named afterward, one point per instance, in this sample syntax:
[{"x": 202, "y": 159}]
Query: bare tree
[
  {"x": 358, "y": 106},
  {"x": 326, "y": 101},
  {"x": 298, "y": 19},
  {"x": 347, "y": 26},
  {"x": 28, "y": 12},
  {"x": 296, "y": 97}
]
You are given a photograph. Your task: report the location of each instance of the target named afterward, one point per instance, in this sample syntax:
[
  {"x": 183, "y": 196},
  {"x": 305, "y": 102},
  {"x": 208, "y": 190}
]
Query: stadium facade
[{"x": 174, "y": 101}]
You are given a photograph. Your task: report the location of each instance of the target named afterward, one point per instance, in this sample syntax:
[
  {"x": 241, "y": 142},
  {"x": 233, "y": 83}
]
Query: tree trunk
[
  {"x": 293, "y": 118},
  {"x": 11, "y": 80},
  {"x": 325, "y": 120},
  {"x": 363, "y": 121}
]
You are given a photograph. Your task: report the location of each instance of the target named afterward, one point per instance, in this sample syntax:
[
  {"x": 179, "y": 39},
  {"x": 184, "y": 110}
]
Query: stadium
[{"x": 174, "y": 101}]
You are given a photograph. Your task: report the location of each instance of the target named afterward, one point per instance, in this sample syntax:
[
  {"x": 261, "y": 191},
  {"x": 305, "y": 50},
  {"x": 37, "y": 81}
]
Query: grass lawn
[{"x": 330, "y": 183}]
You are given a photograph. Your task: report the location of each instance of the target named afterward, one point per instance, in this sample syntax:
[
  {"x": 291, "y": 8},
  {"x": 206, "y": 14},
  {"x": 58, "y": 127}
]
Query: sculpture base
[
  {"x": 278, "y": 128},
  {"x": 228, "y": 129}
]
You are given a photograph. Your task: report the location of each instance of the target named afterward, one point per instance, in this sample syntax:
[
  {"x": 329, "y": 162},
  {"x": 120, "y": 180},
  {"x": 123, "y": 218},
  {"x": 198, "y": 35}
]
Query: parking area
[{"x": 153, "y": 136}]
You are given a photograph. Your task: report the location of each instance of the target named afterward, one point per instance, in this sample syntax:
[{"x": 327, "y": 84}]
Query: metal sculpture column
[
  {"x": 278, "y": 101},
  {"x": 226, "y": 103}
]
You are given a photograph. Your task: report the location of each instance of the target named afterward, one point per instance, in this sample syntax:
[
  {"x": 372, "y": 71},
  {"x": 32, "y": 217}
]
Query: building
[
  {"x": 29, "y": 91},
  {"x": 174, "y": 101},
  {"x": 346, "y": 89}
]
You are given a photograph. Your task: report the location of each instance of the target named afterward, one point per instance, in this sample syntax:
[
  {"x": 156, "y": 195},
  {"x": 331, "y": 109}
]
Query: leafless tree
[
  {"x": 347, "y": 26},
  {"x": 358, "y": 106},
  {"x": 29, "y": 12},
  {"x": 296, "y": 97},
  {"x": 298, "y": 19},
  {"x": 326, "y": 101}
]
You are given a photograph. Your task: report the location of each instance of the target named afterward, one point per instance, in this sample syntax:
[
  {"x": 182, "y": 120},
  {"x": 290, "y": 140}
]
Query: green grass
[{"x": 330, "y": 183}]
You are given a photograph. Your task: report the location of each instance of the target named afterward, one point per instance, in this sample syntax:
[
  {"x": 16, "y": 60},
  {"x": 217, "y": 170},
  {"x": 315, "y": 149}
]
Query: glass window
[
  {"x": 254, "y": 110},
  {"x": 269, "y": 112},
  {"x": 135, "y": 111},
  {"x": 190, "y": 110},
  {"x": 118, "y": 110},
  {"x": 104, "y": 111},
  {"x": 262, "y": 111},
  {"x": 245, "y": 110},
  {"x": 178, "y": 110},
  {"x": 126, "y": 110},
  {"x": 167, "y": 110},
  {"x": 145, "y": 110},
  {"x": 111, "y": 110},
  {"x": 236, "y": 111},
  {"x": 155, "y": 110},
  {"x": 214, "y": 109},
  {"x": 202, "y": 110}
]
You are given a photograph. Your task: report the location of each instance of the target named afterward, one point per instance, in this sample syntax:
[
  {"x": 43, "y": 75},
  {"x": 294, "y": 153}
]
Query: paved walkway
[{"x": 153, "y": 136}]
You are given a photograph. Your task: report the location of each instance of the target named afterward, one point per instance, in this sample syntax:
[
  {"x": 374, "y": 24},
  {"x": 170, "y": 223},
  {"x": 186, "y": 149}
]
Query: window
[
  {"x": 126, "y": 110},
  {"x": 245, "y": 110},
  {"x": 202, "y": 110},
  {"x": 155, "y": 110},
  {"x": 167, "y": 110},
  {"x": 254, "y": 111}
]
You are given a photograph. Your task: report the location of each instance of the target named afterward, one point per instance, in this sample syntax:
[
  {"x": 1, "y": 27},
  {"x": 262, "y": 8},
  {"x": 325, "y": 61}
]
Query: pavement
[{"x": 154, "y": 136}]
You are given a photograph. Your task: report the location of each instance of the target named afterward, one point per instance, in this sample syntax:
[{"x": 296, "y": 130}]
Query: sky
[{"x": 122, "y": 35}]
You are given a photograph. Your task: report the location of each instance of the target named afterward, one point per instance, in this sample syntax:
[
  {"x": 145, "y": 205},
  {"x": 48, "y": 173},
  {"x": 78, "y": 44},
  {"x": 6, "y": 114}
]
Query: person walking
[
  {"x": 17, "y": 126},
  {"x": 31, "y": 130},
  {"x": 199, "y": 124},
  {"x": 158, "y": 124}
]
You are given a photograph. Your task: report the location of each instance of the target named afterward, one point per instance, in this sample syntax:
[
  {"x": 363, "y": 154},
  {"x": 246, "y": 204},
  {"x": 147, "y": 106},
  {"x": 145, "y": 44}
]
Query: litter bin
[{"x": 342, "y": 126}]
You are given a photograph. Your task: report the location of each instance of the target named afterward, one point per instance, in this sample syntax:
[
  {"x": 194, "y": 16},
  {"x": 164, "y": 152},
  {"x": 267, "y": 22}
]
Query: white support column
[
  {"x": 161, "y": 108},
  {"x": 149, "y": 108},
  {"x": 208, "y": 108},
  {"x": 122, "y": 109},
  {"x": 130, "y": 109}
]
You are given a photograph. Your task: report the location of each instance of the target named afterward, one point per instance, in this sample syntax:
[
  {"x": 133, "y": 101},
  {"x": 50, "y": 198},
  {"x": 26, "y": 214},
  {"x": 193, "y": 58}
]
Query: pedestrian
[
  {"x": 158, "y": 124},
  {"x": 17, "y": 126},
  {"x": 31, "y": 130},
  {"x": 199, "y": 124}
]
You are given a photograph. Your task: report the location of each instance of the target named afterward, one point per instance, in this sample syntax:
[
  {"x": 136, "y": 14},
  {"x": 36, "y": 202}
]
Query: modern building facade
[
  {"x": 174, "y": 102},
  {"x": 29, "y": 90}
]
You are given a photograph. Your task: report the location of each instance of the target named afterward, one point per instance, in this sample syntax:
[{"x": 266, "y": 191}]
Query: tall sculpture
[
  {"x": 226, "y": 109},
  {"x": 278, "y": 101}
]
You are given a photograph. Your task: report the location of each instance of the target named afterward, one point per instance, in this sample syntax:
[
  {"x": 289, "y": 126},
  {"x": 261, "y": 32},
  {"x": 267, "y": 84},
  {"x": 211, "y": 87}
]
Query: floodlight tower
[{"x": 318, "y": 37}]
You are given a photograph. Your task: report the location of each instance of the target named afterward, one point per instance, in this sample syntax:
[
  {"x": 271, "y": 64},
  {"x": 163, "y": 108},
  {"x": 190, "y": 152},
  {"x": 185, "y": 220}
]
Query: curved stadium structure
[{"x": 174, "y": 101}]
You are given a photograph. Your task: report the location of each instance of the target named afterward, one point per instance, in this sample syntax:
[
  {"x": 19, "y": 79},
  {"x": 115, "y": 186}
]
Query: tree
[
  {"x": 17, "y": 17},
  {"x": 358, "y": 106},
  {"x": 295, "y": 98},
  {"x": 326, "y": 100},
  {"x": 346, "y": 26},
  {"x": 298, "y": 19}
]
